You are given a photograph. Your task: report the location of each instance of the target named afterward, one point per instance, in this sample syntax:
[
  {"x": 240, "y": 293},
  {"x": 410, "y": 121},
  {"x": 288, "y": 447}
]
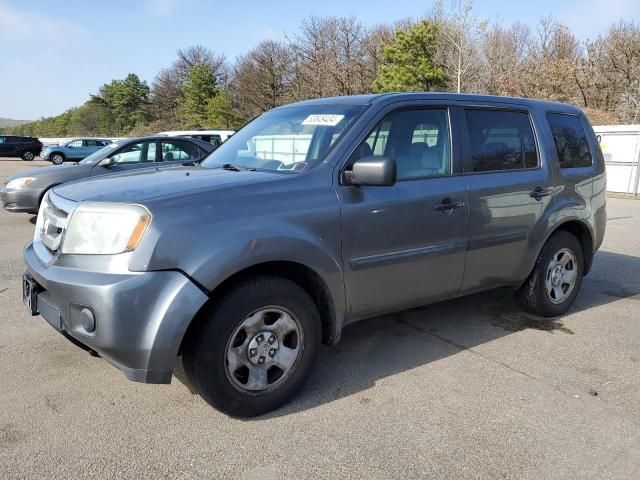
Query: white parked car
[{"x": 214, "y": 137}]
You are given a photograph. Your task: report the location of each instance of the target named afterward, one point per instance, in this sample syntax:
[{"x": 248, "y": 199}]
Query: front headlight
[
  {"x": 20, "y": 182},
  {"x": 97, "y": 228}
]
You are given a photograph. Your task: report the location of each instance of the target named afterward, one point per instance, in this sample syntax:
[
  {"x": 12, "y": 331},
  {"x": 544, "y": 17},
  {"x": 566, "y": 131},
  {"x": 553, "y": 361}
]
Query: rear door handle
[
  {"x": 540, "y": 192},
  {"x": 447, "y": 206}
]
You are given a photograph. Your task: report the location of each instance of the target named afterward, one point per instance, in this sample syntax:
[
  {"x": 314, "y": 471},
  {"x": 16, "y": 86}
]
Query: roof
[
  {"x": 446, "y": 96},
  {"x": 164, "y": 138},
  {"x": 102, "y": 139}
]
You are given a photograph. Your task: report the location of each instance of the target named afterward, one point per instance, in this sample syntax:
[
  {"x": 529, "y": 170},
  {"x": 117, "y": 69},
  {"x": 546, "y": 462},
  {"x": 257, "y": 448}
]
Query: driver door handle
[{"x": 447, "y": 206}]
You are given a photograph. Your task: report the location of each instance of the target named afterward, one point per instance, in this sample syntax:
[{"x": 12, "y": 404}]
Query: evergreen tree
[
  {"x": 409, "y": 60},
  {"x": 127, "y": 100},
  {"x": 220, "y": 111},
  {"x": 197, "y": 91}
]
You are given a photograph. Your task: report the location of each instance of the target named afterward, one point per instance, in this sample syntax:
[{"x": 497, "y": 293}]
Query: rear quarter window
[{"x": 570, "y": 140}]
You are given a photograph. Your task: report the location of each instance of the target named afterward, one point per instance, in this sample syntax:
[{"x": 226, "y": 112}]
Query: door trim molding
[
  {"x": 484, "y": 241},
  {"x": 409, "y": 255}
]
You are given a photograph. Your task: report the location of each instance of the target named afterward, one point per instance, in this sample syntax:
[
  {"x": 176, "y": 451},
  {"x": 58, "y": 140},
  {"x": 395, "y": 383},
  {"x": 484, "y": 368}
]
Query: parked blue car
[{"x": 74, "y": 150}]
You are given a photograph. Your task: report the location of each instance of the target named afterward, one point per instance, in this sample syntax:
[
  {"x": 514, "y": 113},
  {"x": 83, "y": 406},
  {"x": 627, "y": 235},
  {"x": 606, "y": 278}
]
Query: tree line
[{"x": 446, "y": 50}]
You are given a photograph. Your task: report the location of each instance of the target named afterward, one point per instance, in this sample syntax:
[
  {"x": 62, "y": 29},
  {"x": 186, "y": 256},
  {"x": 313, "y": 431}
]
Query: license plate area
[{"x": 30, "y": 290}]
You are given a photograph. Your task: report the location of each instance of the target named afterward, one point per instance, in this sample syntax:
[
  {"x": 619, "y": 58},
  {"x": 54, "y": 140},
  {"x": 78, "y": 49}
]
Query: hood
[
  {"x": 67, "y": 171},
  {"x": 150, "y": 183}
]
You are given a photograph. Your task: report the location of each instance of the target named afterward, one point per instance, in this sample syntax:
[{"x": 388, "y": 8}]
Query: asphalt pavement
[{"x": 469, "y": 388}]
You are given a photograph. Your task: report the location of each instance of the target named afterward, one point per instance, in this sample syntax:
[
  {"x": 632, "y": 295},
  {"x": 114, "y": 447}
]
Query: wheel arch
[
  {"x": 44, "y": 192},
  {"x": 304, "y": 276},
  {"x": 583, "y": 233},
  {"x": 57, "y": 152}
]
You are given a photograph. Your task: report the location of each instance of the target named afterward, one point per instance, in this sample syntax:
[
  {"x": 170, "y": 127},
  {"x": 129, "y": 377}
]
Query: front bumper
[
  {"x": 19, "y": 201},
  {"x": 140, "y": 318}
]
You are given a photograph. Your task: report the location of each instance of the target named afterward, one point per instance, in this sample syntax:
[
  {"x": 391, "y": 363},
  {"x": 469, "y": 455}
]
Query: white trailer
[{"x": 620, "y": 146}]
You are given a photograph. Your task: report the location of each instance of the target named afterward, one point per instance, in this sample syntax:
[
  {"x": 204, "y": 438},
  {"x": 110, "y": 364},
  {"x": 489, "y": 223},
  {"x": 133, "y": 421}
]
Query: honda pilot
[{"x": 311, "y": 217}]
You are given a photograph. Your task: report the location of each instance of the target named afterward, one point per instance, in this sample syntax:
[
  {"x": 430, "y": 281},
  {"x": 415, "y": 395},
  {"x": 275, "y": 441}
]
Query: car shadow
[
  {"x": 381, "y": 347},
  {"x": 33, "y": 219}
]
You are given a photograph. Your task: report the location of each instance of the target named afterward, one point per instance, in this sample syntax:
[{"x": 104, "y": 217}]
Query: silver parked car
[
  {"x": 23, "y": 192},
  {"x": 313, "y": 216},
  {"x": 73, "y": 151}
]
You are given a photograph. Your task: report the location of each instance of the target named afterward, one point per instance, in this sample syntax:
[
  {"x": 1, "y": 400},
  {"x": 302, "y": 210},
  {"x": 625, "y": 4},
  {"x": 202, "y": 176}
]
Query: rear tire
[
  {"x": 28, "y": 156},
  {"x": 556, "y": 278},
  {"x": 253, "y": 349},
  {"x": 57, "y": 158}
]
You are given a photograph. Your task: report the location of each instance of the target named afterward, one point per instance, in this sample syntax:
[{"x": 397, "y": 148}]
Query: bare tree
[
  {"x": 596, "y": 85},
  {"x": 460, "y": 55},
  {"x": 622, "y": 58},
  {"x": 310, "y": 46},
  {"x": 347, "y": 57},
  {"x": 372, "y": 48},
  {"x": 263, "y": 78},
  {"x": 505, "y": 51},
  {"x": 165, "y": 93},
  {"x": 336, "y": 56},
  {"x": 550, "y": 68}
]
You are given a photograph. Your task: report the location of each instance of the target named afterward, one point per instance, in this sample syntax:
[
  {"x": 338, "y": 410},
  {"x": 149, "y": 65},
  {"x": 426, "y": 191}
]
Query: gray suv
[{"x": 313, "y": 216}]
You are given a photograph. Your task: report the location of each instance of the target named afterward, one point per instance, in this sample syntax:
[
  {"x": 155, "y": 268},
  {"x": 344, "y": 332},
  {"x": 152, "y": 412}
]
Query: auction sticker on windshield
[{"x": 326, "y": 120}]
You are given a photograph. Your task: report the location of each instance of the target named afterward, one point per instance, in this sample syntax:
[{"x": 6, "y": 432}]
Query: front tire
[
  {"x": 57, "y": 158},
  {"x": 28, "y": 156},
  {"x": 556, "y": 278},
  {"x": 254, "y": 348}
]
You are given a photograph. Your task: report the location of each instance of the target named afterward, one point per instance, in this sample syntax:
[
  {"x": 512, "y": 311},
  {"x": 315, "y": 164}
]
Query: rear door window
[
  {"x": 570, "y": 139},
  {"x": 173, "y": 151},
  {"x": 500, "y": 140}
]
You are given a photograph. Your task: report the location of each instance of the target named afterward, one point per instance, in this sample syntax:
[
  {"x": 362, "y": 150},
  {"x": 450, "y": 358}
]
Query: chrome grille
[{"x": 52, "y": 221}]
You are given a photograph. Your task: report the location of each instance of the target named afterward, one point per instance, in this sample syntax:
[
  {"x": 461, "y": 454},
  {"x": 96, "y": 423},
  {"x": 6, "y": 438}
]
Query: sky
[{"x": 54, "y": 54}]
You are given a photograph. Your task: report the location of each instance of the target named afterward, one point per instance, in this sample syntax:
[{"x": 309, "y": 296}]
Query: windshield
[
  {"x": 290, "y": 139},
  {"x": 100, "y": 154}
]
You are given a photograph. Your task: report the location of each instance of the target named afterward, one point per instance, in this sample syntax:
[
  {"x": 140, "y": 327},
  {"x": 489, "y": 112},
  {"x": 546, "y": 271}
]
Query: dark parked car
[
  {"x": 26, "y": 148},
  {"x": 23, "y": 192},
  {"x": 313, "y": 216}
]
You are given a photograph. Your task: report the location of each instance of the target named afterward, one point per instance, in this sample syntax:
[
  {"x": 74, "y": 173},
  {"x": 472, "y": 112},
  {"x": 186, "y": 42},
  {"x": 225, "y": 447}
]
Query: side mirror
[
  {"x": 380, "y": 171},
  {"x": 106, "y": 162}
]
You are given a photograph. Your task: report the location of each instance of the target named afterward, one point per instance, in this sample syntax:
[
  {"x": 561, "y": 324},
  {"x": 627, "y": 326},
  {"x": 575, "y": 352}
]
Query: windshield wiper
[{"x": 236, "y": 168}]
